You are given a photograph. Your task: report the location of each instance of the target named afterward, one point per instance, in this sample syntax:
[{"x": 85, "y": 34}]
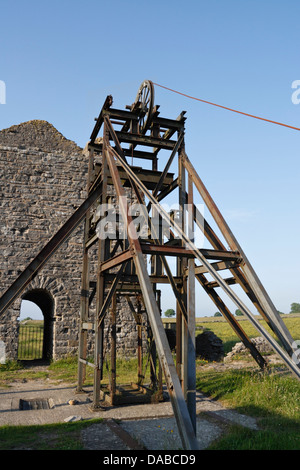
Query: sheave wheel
[{"x": 145, "y": 96}]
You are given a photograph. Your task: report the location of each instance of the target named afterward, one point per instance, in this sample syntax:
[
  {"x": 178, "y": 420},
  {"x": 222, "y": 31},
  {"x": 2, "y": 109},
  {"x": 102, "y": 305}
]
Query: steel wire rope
[{"x": 227, "y": 108}]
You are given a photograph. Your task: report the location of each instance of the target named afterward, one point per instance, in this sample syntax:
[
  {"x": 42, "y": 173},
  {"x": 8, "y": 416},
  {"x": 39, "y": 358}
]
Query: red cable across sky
[{"x": 228, "y": 109}]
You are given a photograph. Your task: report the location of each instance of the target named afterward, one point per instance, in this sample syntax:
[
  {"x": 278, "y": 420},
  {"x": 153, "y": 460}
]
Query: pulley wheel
[{"x": 145, "y": 96}]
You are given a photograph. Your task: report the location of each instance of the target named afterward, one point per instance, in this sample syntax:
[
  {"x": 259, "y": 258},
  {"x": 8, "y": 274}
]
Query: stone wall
[{"x": 43, "y": 180}]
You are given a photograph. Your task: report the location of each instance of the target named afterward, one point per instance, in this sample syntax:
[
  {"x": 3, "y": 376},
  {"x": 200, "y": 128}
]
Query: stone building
[{"x": 43, "y": 180}]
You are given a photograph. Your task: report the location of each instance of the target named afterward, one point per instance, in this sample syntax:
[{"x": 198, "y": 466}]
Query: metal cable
[{"x": 228, "y": 109}]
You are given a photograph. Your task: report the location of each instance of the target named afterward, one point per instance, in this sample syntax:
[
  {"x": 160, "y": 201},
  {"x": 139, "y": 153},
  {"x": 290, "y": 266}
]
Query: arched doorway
[{"x": 38, "y": 305}]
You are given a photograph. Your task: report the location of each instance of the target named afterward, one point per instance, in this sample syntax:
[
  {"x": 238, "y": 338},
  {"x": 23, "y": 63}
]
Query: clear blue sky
[{"x": 60, "y": 59}]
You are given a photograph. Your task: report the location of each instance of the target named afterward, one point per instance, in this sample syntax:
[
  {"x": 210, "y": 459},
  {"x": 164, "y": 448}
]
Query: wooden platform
[{"x": 131, "y": 394}]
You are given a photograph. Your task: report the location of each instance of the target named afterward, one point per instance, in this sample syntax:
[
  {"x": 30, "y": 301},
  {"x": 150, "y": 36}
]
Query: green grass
[
  {"x": 271, "y": 398},
  {"x": 244, "y": 439},
  {"x": 224, "y": 331},
  {"x": 62, "y": 436},
  {"x": 66, "y": 370},
  {"x": 14, "y": 371},
  {"x": 30, "y": 340}
]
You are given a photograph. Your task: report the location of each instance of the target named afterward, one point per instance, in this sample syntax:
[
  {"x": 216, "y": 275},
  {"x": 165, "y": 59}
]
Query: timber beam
[{"x": 149, "y": 248}]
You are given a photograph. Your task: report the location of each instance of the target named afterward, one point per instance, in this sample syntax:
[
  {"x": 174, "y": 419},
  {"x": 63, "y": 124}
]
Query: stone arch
[{"x": 44, "y": 300}]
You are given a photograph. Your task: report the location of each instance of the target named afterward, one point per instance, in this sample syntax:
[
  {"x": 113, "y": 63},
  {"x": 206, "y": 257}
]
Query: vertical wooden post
[
  {"x": 85, "y": 284},
  {"x": 99, "y": 329},
  {"x": 113, "y": 351},
  {"x": 191, "y": 354},
  {"x": 98, "y": 353},
  {"x": 140, "y": 344},
  {"x": 181, "y": 328},
  {"x": 160, "y": 372},
  {"x": 156, "y": 267},
  {"x": 84, "y": 300}
]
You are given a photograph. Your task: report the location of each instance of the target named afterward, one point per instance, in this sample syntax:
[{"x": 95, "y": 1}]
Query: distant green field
[
  {"x": 224, "y": 331},
  {"x": 31, "y": 340}
]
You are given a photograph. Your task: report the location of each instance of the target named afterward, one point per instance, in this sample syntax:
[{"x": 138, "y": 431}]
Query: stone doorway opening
[{"x": 36, "y": 326}]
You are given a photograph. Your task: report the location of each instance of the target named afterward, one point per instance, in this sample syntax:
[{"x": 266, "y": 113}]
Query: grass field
[
  {"x": 272, "y": 398},
  {"x": 224, "y": 331},
  {"x": 61, "y": 436},
  {"x": 31, "y": 340},
  {"x": 229, "y": 338}
]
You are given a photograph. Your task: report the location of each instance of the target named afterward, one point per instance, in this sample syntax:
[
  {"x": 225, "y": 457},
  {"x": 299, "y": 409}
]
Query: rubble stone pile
[{"x": 239, "y": 348}]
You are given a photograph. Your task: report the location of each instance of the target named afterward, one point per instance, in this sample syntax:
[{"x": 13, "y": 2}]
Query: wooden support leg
[
  {"x": 84, "y": 305},
  {"x": 191, "y": 353},
  {"x": 113, "y": 351},
  {"x": 99, "y": 329}
]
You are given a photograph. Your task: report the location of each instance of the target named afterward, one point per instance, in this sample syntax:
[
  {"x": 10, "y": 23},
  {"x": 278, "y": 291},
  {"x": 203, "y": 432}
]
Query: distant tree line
[{"x": 295, "y": 308}]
